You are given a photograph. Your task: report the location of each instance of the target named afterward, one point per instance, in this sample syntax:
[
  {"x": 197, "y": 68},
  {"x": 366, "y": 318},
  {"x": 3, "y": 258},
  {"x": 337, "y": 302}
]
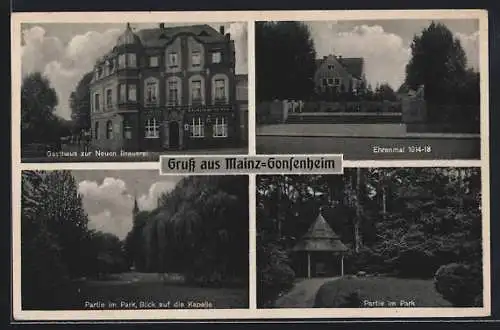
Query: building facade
[
  {"x": 242, "y": 105},
  {"x": 166, "y": 89},
  {"x": 340, "y": 74}
]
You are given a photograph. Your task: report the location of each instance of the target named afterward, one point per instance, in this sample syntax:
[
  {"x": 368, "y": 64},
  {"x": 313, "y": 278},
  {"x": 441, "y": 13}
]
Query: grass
[
  {"x": 378, "y": 292},
  {"x": 122, "y": 292}
]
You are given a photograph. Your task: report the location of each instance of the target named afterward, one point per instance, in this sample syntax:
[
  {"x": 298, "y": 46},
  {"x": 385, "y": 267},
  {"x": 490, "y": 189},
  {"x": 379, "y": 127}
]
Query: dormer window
[
  {"x": 111, "y": 65},
  {"x": 330, "y": 67},
  {"x": 121, "y": 61},
  {"x": 132, "y": 61},
  {"x": 216, "y": 57}
]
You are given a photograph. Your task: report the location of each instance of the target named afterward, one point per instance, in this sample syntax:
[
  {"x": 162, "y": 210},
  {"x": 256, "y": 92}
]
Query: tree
[
  {"x": 438, "y": 62},
  {"x": 38, "y": 103},
  {"x": 80, "y": 104},
  {"x": 204, "y": 219},
  {"x": 385, "y": 92},
  {"x": 285, "y": 61}
]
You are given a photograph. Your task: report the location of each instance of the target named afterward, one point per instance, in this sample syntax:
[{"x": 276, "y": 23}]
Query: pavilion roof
[{"x": 320, "y": 237}]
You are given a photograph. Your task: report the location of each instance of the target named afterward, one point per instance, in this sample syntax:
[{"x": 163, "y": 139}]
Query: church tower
[{"x": 136, "y": 207}]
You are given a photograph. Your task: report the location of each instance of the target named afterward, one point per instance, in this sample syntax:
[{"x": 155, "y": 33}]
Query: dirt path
[{"x": 303, "y": 293}]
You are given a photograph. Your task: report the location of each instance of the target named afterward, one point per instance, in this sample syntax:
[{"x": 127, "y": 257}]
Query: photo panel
[
  {"x": 398, "y": 88},
  {"x": 128, "y": 240},
  {"x": 371, "y": 238},
  {"x": 131, "y": 91}
]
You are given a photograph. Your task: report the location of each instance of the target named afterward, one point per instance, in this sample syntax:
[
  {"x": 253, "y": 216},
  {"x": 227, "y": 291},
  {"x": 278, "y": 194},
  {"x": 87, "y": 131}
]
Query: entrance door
[{"x": 173, "y": 135}]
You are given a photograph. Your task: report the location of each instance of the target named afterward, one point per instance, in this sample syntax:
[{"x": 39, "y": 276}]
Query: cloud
[
  {"x": 470, "y": 44},
  {"x": 66, "y": 64},
  {"x": 385, "y": 54},
  {"x": 109, "y": 204},
  {"x": 149, "y": 201},
  {"x": 239, "y": 34}
]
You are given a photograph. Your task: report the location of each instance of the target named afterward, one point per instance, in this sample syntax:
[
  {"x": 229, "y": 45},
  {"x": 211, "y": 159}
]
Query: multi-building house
[
  {"x": 340, "y": 74},
  {"x": 166, "y": 88}
]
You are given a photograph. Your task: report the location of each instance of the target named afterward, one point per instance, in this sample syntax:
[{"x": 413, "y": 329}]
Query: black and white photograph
[
  {"x": 370, "y": 238},
  {"x": 131, "y": 239},
  {"x": 132, "y": 91},
  {"x": 369, "y": 89}
]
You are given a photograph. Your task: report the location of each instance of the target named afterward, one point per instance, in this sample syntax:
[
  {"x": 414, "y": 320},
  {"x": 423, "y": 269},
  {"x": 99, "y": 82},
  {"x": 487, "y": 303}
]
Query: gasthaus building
[{"x": 167, "y": 88}]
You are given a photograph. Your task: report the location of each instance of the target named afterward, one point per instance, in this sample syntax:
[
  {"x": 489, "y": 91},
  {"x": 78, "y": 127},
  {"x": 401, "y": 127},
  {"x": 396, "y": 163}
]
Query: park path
[{"x": 303, "y": 294}]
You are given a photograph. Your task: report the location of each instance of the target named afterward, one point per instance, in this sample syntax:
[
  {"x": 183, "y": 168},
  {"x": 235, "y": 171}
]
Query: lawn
[
  {"x": 380, "y": 291},
  {"x": 145, "y": 292}
]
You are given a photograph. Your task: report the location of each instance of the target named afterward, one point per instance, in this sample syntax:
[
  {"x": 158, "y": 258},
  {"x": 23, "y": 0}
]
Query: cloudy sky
[
  {"x": 108, "y": 196},
  {"x": 385, "y": 44},
  {"x": 64, "y": 52}
]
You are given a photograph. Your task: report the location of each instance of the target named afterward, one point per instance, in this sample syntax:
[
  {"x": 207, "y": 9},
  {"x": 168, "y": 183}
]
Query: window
[
  {"x": 121, "y": 61},
  {"x": 109, "y": 98},
  {"x": 173, "y": 61},
  {"x": 122, "y": 91},
  {"x": 330, "y": 67},
  {"x": 173, "y": 93},
  {"x": 216, "y": 57},
  {"x": 196, "y": 90},
  {"x": 96, "y": 130},
  {"x": 337, "y": 81},
  {"x": 151, "y": 92},
  {"x": 197, "y": 128},
  {"x": 196, "y": 59},
  {"x": 132, "y": 61},
  {"x": 109, "y": 129},
  {"x": 132, "y": 93},
  {"x": 330, "y": 81},
  {"x": 99, "y": 72},
  {"x": 153, "y": 61},
  {"x": 127, "y": 130},
  {"x": 220, "y": 127},
  {"x": 152, "y": 129},
  {"x": 220, "y": 90},
  {"x": 111, "y": 65},
  {"x": 97, "y": 102}
]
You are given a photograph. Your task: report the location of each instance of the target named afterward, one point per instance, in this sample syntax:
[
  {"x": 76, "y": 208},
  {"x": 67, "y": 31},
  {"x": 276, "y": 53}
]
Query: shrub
[
  {"x": 352, "y": 300},
  {"x": 416, "y": 263},
  {"x": 460, "y": 284},
  {"x": 275, "y": 275}
]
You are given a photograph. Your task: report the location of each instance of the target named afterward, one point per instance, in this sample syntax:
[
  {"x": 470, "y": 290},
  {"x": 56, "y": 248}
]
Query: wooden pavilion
[{"x": 323, "y": 250}]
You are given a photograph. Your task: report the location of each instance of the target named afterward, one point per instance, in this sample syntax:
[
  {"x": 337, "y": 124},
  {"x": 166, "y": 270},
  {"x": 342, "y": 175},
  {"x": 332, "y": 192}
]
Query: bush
[
  {"x": 275, "y": 275},
  {"x": 352, "y": 300},
  {"x": 366, "y": 260},
  {"x": 416, "y": 263},
  {"x": 460, "y": 284}
]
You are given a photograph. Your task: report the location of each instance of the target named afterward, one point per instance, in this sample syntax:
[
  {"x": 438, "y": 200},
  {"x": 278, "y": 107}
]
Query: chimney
[
  {"x": 228, "y": 36},
  {"x": 162, "y": 26},
  {"x": 221, "y": 29}
]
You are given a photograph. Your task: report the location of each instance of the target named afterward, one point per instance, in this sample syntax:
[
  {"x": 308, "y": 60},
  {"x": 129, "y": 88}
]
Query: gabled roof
[
  {"x": 320, "y": 237},
  {"x": 158, "y": 37},
  {"x": 353, "y": 65}
]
